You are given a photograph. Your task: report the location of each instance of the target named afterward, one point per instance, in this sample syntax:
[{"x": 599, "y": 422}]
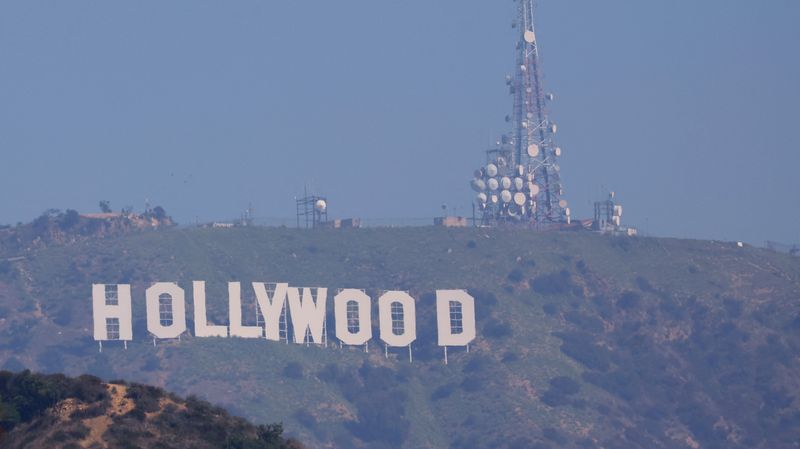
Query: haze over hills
[{"x": 584, "y": 341}]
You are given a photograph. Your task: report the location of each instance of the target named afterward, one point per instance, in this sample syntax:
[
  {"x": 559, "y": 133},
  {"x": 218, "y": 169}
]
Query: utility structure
[
  {"x": 312, "y": 211},
  {"x": 520, "y": 182}
]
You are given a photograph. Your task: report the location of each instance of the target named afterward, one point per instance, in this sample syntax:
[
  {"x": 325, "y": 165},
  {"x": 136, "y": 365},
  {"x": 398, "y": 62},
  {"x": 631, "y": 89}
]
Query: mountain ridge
[
  {"x": 55, "y": 411},
  {"x": 583, "y": 340}
]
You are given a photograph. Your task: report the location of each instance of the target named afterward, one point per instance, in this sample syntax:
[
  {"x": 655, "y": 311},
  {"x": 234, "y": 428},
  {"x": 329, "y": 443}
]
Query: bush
[
  {"x": 644, "y": 285},
  {"x": 584, "y": 322},
  {"x": 580, "y": 346},
  {"x": 146, "y": 397},
  {"x": 293, "y": 370},
  {"x": 564, "y": 385},
  {"x": 554, "y": 435},
  {"x": 554, "y": 399},
  {"x": 733, "y": 307},
  {"x": 495, "y": 328},
  {"x": 5, "y": 267},
  {"x": 550, "y": 308},
  {"x": 560, "y": 389},
  {"x": 472, "y": 384},
  {"x": 69, "y": 219},
  {"x": 515, "y": 275},
  {"x": 330, "y": 373},
  {"x": 443, "y": 392},
  {"x": 477, "y": 364},
  {"x": 553, "y": 284},
  {"x": 629, "y": 300}
]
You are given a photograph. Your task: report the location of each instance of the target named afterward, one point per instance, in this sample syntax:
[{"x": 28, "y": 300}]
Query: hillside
[
  {"x": 54, "y": 411},
  {"x": 584, "y": 341}
]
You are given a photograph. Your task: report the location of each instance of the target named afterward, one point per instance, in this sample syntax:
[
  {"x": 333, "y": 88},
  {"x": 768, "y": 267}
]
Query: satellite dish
[
  {"x": 320, "y": 205},
  {"x": 533, "y": 150},
  {"x": 505, "y": 182},
  {"x": 491, "y": 170},
  {"x": 505, "y": 195},
  {"x": 519, "y": 199},
  {"x": 523, "y": 68},
  {"x": 493, "y": 184},
  {"x": 550, "y": 96},
  {"x": 533, "y": 188},
  {"x": 524, "y": 124},
  {"x": 530, "y": 36},
  {"x": 558, "y": 151},
  {"x": 482, "y": 198},
  {"x": 479, "y": 173},
  {"x": 562, "y": 204},
  {"x": 494, "y": 198},
  {"x": 553, "y": 128},
  {"x": 519, "y": 183},
  {"x": 478, "y": 185},
  {"x": 520, "y": 170},
  {"x": 567, "y": 212}
]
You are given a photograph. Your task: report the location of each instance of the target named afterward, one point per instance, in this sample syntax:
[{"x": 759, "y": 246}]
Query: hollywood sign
[{"x": 166, "y": 314}]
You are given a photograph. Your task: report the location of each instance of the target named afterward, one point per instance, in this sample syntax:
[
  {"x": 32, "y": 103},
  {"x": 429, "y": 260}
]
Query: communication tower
[
  {"x": 608, "y": 217},
  {"x": 520, "y": 182},
  {"x": 312, "y": 211}
]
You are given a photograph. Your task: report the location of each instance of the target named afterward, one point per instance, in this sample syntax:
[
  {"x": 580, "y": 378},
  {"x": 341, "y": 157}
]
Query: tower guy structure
[{"x": 520, "y": 182}]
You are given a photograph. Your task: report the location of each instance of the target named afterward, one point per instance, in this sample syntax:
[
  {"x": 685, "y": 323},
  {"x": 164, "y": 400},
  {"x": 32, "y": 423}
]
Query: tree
[
  {"x": 69, "y": 219},
  {"x": 105, "y": 206},
  {"x": 159, "y": 213}
]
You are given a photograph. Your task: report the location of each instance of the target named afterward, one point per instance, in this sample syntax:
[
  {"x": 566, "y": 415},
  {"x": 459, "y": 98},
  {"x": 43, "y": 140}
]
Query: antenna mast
[{"x": 520, "y": 182}]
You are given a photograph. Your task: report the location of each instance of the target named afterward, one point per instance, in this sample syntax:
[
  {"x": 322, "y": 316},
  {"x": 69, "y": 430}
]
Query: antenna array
[{"x": 520, "y": 182}]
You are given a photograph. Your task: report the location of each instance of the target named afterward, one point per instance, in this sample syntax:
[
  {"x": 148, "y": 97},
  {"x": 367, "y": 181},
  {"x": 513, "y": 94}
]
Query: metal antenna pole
[{"x": 520, "y": 183}]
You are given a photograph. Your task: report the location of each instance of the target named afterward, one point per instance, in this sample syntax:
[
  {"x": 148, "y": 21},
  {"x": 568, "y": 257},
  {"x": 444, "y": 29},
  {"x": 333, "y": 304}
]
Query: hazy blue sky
[{"x": 687, "y": 108}]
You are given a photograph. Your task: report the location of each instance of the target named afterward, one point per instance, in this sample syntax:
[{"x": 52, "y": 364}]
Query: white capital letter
[
  {"x": 407, "y": 327},
  {"x": 235, "y": 314},
  {"x": 177, "y": 309},
  {"x": 307, "y": 314},
  {"x": 201, "y": 326},
  {"x": 455, "y": 314},
  {"x": 364, "y": 319},
  {"x": 271, "y": 308},
  {"x": 117, "y": 306}
]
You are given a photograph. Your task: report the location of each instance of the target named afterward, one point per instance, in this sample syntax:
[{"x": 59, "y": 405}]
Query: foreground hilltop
[
  {"x": 55, "y": 411},
  {"x": 584, "y": 341}
]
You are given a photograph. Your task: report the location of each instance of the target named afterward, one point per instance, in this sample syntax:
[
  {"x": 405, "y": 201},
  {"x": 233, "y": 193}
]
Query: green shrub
[
  {"x": 293, "y": 370},
  {"x": 553, "y": 284}
]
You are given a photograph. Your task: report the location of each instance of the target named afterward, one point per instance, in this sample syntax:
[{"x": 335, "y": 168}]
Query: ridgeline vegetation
[{"x": 57, "y": 412}]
